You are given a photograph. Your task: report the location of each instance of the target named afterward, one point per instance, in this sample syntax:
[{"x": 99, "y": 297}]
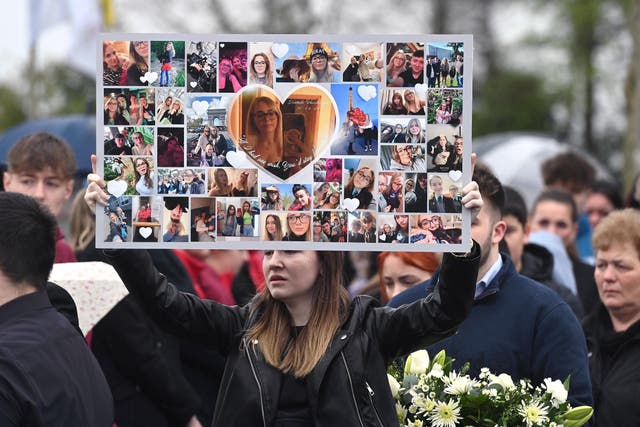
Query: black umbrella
[{"x": 78, "y": 130}]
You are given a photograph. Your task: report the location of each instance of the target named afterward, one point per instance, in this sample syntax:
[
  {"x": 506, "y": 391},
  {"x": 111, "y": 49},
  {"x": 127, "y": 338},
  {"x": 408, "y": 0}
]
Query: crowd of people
[{"x": 260, "y": 333}]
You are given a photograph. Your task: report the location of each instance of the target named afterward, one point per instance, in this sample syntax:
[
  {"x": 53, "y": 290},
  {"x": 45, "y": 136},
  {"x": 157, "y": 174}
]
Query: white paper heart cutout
[
  {"x": 200, "y": 107},
  {"x": 351, "y": 204},
  {"x": 116, "y": 187},
  {"x": 421, "y": 90},
  {"x": 455, "y": 175},
  {"x": 145, "y": 232},
  {"x": 382, "y": 237},
  {"x": 238, "y": 159},
  {"x": 367, "y": 92},
  {"x": 279, "y": 49},
  {"x": 149, "y": 76},
  {"x": 193, "y": 84}
]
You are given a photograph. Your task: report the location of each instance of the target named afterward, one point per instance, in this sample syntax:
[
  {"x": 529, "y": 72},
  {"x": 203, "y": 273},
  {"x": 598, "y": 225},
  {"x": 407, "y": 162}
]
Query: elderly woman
[{"x": 613, "y": 328}]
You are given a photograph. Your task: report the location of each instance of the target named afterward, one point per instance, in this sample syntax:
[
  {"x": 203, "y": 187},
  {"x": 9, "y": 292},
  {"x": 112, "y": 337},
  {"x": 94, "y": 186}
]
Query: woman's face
[
  {"x": 270, "y": 225},
  {"x": 209, "y": 150},
  {"x": 122, "y": 102},
  {"x": 397, "y": 100},
  {"x": 141, "y": 167},
  {"x": 112, "y": 105},
  {"x": 246, "y": 206},
  {"x": 617, "y": 275},
  {"x": 443, "y": 141},
  {"x": 319, "y": 63},
  {"x": 409, "y": 186},
  {"x": 398, "y": 61},
  {"x": 110, "y": 57},
  {"x": 142, "y": 48},
  {"x": 396, "y": 184},
  {"x": 291, "y": 275},
  {"x": 404, "y": 155},
  {"x": 409, "y": 96},
  {"x": 353, "y": 60},
  {"x": 387, "y": 130},
  {"x": 231, "y": 210},
  {"x": 414, "y": 128},
  {"x": 265, "y": 118},
  {"x": 133, "y": 100},
  {"x": 298, "y": 223},
  {"x": 398, "y": 275},
  {"x": 363, "y": 178},
  {"x": 273, "y": 195},
  {"x": 221, "y": 177},
  {"x": 225, "y": 67},
  {"x": 168, "y": 101},
  {"x": 176, "y": 105},
  {"x": 334, "y": 199},
  {"x": 398, "y": 128},
  {"x": 597, "y": 207},
  {"x": 402, "y": 221},
  {"x": 435, "y": 223},
  {"x": 260, "y": 65},
  {"x": 386, "y": 228}
]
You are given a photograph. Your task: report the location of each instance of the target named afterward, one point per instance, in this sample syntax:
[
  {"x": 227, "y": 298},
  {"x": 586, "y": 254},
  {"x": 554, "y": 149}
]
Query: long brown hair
[{"x": 274, "y": 328}]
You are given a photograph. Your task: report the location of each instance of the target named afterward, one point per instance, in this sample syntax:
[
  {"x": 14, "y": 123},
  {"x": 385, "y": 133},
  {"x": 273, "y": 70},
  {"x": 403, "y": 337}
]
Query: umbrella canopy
[
  {"x": 78, "y": 130},
  {"x": 94, "y": 286},
  {"x": 516, "y": 159}
]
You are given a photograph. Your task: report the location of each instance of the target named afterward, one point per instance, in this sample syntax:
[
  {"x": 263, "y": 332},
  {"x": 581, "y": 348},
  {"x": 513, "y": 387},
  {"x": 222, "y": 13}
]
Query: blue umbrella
[{"x": 78, "y": 130}]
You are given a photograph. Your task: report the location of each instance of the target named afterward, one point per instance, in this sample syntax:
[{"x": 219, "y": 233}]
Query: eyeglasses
[
  {"x": 364, "y": 177},
  {"x": 426, "y": 222},
  {"x": 560, "y": 225},
  {"x": 261, "y": 115},
  {"x": 318, "y": 58},
  {"x": 260, "y": 63},
  {"x": 402, "y": 150},
  {"x": 292, "y": 219},
  {"x": 138, "y": 44}
]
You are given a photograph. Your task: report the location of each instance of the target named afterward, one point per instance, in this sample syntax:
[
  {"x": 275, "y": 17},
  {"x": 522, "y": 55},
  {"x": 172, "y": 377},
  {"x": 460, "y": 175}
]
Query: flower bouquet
[{"x": 429, "y": 393}]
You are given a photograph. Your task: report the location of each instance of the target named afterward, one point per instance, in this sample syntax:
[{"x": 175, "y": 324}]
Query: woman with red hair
[{"x": 401, "y": 270}]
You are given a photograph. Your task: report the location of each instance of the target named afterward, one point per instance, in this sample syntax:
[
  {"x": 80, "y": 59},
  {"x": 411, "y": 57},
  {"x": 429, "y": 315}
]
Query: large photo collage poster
[{"x": 284, "y": 141}]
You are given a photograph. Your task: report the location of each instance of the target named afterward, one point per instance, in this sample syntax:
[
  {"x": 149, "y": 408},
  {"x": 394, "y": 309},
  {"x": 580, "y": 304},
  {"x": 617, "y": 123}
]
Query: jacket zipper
[
  {"x": 255, "y": 376},
  {"x": 353, "y": 394},
  {"x": 371, "y": 393}
]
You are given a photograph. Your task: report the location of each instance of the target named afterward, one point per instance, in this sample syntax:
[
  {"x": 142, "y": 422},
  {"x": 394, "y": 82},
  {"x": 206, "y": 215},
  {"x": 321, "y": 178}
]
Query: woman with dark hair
[
  {"x": 143, "y": 177},
  {"x": 260, "y": 70},
  {"x": 230, "y": 221},
  {"x": 301, "y": 353},
  {"x": 396, "y": 106},
  {"x": 604, "y": 198},
  {"x": 401, "y": 230},
  {"x": 139, "y": 63}
]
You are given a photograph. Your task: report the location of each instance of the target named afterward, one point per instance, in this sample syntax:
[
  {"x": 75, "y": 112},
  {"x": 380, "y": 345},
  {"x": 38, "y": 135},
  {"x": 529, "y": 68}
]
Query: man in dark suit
[
  {"x": 440, "y": 203},
  {"x": 433, "y": 71}
]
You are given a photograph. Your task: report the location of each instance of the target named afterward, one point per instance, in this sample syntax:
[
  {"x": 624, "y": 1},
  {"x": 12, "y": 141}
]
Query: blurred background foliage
[{"x": 572, "y": 70}]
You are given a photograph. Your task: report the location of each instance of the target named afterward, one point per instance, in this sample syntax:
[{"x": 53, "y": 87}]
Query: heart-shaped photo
[{"x": 282, "y": 137}]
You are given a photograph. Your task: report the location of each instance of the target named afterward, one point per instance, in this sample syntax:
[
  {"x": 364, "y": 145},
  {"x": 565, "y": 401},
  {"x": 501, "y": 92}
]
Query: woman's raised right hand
[{"x": 96, "y": 189}]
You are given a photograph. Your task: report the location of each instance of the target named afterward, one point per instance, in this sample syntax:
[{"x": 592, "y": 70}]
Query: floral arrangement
[{"x": 429, "y": 393}]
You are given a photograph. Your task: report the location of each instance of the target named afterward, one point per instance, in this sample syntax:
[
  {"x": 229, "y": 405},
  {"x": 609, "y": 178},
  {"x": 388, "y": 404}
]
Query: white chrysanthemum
[
  {"x": 436, "y": 371},
  {"x": 416, "y": 423},
  {"x": 533, "y": 414},
  {"x": 460, "y": 385},
  {"x": 422, "y": 403},
  {"x": 503, "y": 380},
  {"x": 557, "y": 391},
  {"x": 445, "y": 414}
]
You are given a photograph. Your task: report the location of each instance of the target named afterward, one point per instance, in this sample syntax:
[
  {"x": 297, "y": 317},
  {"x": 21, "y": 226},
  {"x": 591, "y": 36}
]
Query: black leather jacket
[{"x": 349, "y": 386}]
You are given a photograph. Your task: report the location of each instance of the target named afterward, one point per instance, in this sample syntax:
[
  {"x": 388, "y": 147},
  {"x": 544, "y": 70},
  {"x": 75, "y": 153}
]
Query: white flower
[
  {"x": 460, "y": 385},
  {"x": 402, "y": 413},
  {"x": 556, "y": 390},
  {"x": 436, "y": 371},
  {"x": 416, "y": 423},
  {"x": 394, "y": 385},
  {"x": 422, "y": 403},
  {"x": 417, "y": 363},
  {"x": 503, "y": 380},
  {"x": 445, "y": 414},
  {"x": 533, "y": 414}
]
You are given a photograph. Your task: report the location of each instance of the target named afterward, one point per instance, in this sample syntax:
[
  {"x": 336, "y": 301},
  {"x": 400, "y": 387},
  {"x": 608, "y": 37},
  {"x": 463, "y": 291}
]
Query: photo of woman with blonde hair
[
  {"x": 260, "y": 71},
  {"x": 264, "y": 130}
]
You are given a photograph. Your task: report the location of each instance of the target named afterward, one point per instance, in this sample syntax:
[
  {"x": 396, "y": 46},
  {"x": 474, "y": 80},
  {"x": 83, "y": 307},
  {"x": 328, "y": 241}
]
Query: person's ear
[
  {"x": 499, "y": 230},
  {"x": 6, "y": 181}
]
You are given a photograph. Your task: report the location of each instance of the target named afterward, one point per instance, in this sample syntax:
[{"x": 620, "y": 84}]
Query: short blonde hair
[{"x": 618, "y": 227}]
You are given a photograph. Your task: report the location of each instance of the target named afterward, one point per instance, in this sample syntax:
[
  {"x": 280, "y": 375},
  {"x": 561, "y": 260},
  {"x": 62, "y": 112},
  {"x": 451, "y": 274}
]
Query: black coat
[
  {"x": 615, "y": 370},
  {"x": 348, "y": 386},
  {"x": 449, "y": 206}
]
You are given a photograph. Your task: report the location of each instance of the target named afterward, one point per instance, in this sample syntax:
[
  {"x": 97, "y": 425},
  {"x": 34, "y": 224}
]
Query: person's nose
[
  {"x": 275, "y": 260},
  {"x": 39, "y": 191},
  {"x": 609, "y": 274}
]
